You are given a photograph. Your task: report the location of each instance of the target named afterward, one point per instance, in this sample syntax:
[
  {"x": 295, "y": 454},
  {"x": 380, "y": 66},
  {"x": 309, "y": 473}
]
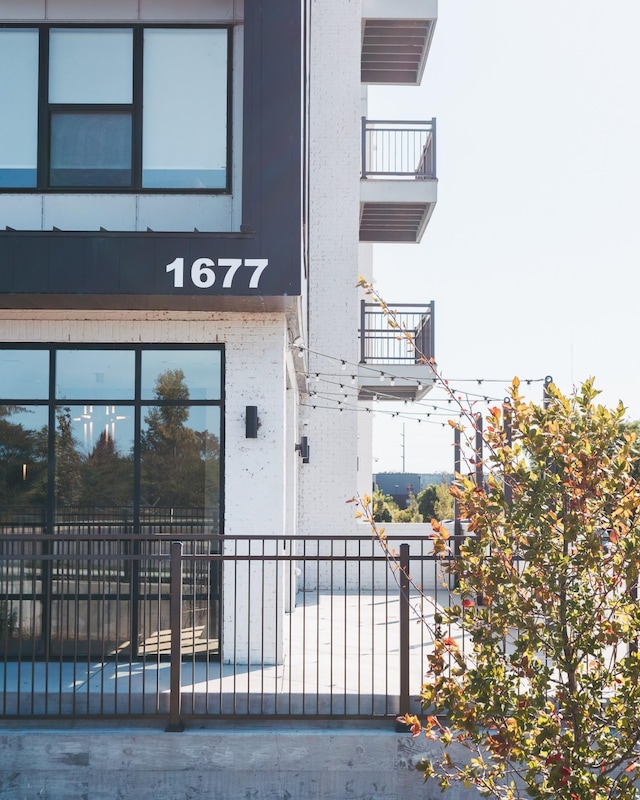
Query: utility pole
[{"x": 404, "y": 447}]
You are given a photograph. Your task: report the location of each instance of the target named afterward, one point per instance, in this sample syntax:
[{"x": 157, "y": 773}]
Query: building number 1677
[{"x": 203, "y": 276}]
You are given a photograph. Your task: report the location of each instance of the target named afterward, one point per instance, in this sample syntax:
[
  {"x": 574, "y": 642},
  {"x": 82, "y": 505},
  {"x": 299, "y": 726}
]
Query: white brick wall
[{"x": 334, "y": 146}]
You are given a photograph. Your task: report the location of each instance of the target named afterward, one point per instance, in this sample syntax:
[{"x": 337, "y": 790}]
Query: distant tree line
[{"x": 432, "y": 502}]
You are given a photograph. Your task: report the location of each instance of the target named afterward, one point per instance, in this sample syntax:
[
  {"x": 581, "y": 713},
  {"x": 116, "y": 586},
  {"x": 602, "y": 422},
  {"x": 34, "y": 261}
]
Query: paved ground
[{"x": 341, "y": 658}]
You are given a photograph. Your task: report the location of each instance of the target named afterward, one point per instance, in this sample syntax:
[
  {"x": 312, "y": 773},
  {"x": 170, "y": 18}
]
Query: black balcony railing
[
  {"x": 95, "y": 625},
  {"x": 395, "y": 149},
  {"x": 412, "y": 342}
]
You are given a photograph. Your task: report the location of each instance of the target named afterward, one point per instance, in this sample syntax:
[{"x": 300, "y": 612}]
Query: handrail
[
  {"x": 398, "y": 149},
  {"x": 381, "y": 344}
]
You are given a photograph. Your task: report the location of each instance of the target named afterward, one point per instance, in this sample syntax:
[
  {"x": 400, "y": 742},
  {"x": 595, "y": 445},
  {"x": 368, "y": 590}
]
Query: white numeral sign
[{"x": 203, "y": 275}]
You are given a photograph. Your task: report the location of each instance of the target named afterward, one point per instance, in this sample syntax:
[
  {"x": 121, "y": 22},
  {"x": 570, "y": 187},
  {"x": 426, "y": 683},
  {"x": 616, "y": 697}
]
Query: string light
[{"x": 429, "y": 363}]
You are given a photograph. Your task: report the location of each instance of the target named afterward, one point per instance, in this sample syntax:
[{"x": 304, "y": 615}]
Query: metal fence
[
  {"x": 382, "y": 344},
  {"x": 398, "y": 149},
  {"x": 138, "y": 625}
]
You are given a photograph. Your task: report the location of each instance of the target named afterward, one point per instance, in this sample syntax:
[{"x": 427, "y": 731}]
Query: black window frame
[
  {"x": 46, "y": 109},
  {"x": 138, "y": 403}
]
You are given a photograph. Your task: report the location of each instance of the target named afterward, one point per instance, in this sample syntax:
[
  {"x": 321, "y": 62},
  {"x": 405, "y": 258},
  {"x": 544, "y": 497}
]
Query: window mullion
[
  {"x": 43, "y": 111},
  {"x": 136, "y": 145}
]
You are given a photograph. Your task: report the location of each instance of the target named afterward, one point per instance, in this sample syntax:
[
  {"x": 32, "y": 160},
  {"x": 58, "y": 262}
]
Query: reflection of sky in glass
[
  {"x": 99, "y": 374},
  {"x": 24, "y": 374},
  {"x": 32, "y": 418},
  {"x": 201, "y": 370},
  {"x": 88, "y": 422}
]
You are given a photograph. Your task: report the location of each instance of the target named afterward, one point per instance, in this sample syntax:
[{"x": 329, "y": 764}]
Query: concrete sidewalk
[{"x": 342, "y": 658}]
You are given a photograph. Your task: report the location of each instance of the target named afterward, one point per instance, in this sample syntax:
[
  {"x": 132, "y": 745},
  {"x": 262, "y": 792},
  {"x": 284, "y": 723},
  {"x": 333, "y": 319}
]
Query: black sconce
[
  {"x": 251, "y": 422},
  {"x": 303, "y": 449}
]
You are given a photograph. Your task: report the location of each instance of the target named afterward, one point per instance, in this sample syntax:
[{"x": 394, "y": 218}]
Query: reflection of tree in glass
[
  {"x": 107, "y": 476},
  {"x": 23, "y": 461},
  {"x": 177, "y": 460},
  {"x": 68, "y": 461}
]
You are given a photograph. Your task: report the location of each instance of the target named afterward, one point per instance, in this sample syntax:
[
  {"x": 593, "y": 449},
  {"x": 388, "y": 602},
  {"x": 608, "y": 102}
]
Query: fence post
[
  {"x": 175, "y": 622},
  {"x": 433, "y": 148},
  {"x": 403, "y": 704},
  {"x": 508, "y": 485},
  {"x": 363, "y": 156},
  {"x": 545, "y": 391}
]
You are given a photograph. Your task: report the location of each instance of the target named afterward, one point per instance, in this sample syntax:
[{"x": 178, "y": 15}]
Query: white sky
[{"x": 533, "y": 250}]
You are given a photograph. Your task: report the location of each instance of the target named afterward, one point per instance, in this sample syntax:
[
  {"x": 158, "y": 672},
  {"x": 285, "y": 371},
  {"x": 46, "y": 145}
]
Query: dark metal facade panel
[{"x": 136, "y": 264}]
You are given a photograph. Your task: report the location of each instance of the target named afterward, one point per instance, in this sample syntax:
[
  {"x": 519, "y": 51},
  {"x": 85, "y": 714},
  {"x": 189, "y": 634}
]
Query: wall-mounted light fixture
[
  {"x": 303, "y": 449},
  {"x": 251, "y": 422}
]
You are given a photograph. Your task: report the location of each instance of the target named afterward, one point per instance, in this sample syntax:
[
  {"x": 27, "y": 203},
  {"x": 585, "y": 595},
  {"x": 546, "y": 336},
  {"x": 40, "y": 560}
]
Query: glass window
[
  {"x": 19, "y": 108},
  {"x": 24, "y": 374},
  {"x": 23, "y": 456},
  {"x": 94, "y": 455},
  {"x": 109, "y": 470},
  {"x": 200, "y": 371},
  {"x": 100, "y": 128},
  {"x": 113, "y": 449},
  {"x": 95, "y": 374},
  {"x": 180, "y": 456},
  {"x": 91, "y": 65},
  {"x": 185, "y": 109},
  {"x": 90, "y": 149}
]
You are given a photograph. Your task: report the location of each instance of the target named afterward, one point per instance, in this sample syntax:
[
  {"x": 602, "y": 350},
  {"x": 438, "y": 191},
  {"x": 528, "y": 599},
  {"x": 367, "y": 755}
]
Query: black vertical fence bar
[
  {"x": 175, "y": 617},
  {"x": 403, "y": 700},
  {"x": 457, "y": 461},
  {"x": 545, "y": 392},
  {"x": 479, "y": 452},
  {"x": 508, "y": 485},
  {"x": 457, "y": 522}
]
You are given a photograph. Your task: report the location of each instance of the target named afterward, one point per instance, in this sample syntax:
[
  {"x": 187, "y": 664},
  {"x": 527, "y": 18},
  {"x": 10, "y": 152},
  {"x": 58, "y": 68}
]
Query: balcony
[
  {"x": 398, "y": 186},
  {"x": 396, "y": 37},
  {"x": 393, "y": 366}
]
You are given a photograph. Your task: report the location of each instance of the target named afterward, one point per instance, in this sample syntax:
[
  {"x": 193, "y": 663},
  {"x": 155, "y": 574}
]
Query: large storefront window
[{"x": 102, "y": 449}]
